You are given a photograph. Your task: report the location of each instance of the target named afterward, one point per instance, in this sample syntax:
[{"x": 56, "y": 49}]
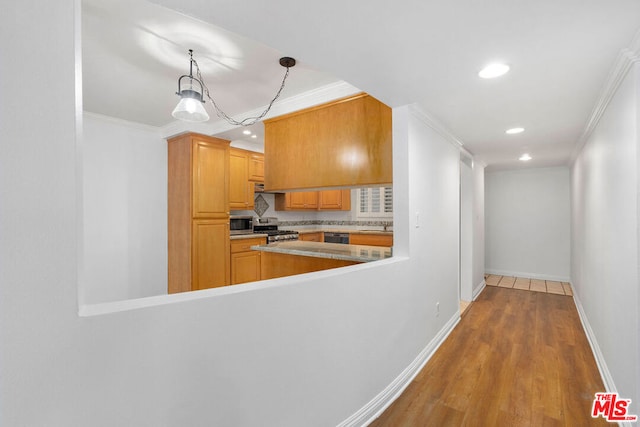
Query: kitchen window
[{"x": 375, "y": 202}]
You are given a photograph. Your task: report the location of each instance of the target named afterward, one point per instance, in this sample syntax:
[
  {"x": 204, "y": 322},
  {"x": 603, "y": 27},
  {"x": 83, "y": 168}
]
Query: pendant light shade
[{"x": 190, "y": 108}]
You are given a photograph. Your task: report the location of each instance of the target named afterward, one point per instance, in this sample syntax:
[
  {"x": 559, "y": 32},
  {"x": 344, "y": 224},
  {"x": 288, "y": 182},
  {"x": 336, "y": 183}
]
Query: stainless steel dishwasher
[{"x": 336, "y": 238}]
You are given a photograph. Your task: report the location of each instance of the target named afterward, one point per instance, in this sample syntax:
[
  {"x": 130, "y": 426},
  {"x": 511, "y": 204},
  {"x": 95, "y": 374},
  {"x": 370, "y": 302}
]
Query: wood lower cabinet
[
  {"x": 371, "y": 239},
  {"x": 210, "y": 254},
  {"x": 198, "y": 212},
  {"x": 281, "y": 265},
  {"x": 312, "y": 237},
  {"x": 245, "y": 263},
  {"x": 325, "y": 200}
]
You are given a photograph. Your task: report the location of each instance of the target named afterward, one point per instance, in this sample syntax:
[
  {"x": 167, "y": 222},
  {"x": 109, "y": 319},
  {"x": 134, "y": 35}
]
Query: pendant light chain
[{"x": 249, "y": 120}]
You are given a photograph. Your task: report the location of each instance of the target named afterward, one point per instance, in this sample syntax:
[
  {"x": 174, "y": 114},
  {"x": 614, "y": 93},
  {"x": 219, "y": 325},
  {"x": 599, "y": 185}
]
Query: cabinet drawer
[
  {"x": 371, "y": 239},
  {"x": 244, "y": 245},
  {"x": 312, "y": 237}
]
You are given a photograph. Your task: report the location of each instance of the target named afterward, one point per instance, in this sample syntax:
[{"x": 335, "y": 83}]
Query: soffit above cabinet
[{"x": 344, "y": 143}]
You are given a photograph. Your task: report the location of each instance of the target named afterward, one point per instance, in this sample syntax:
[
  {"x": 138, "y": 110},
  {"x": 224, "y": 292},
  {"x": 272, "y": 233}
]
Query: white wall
[
  {"x": 528, "y": 223},
  {"x": 604, "y": 261},
  {"x": 308, "y": 350},
  {"x": 125, "y": 210},
  {"x": 433, "y": 220},
  {"x": 478, "y": 228},
  {"x": 466, "y": 229}
]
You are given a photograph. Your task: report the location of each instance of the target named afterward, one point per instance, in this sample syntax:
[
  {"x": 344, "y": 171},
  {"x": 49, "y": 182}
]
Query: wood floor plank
[
  {"x": 567, "y": 289},
  {"x": 464, "y": 305},
  {"x": 516, "y": 359},
  {"x": 538, "y": 285},
  {"x": 507, "y": 282},
  {"x": 554, "y": 287},
  {"x": 522, "y": 283},
  {"x": 492, "y": 280}
]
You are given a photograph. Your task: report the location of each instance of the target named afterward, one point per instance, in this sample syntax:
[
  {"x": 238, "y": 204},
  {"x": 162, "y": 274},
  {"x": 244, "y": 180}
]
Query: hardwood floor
[
  {"x": 517, "y": 358},
  {"x": 550, "y": 286}
]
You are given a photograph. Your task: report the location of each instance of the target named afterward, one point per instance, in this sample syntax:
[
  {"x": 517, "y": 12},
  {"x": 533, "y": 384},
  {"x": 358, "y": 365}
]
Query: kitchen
[
  {"x": 125, "y": 216},
  {"x": 208, "y": 180},
  {"x": 81, "y": 208},
  {"x": 125, "y": 158}
]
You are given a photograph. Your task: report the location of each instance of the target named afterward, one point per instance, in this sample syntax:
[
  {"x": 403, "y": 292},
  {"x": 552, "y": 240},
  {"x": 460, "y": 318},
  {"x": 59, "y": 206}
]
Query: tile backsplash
[{"x": 265, "y": 207}]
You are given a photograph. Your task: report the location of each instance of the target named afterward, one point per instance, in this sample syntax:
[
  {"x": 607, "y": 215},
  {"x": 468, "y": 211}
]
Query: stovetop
[{"x": 269, "y": 226}]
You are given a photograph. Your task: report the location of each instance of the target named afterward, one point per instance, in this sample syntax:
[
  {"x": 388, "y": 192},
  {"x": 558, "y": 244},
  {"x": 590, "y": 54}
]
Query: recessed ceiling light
[
  {"x": 246, "y": 132},
  {"x": 525, "y": 157},
  {"x": 254, "y": 136},
  {"x": 493, "y": 70},
  {"x": 513, "y": 131}
]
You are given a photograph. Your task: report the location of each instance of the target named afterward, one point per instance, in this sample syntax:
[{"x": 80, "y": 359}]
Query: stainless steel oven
[
  {"x": 269, "y": 226},
  {"x": 241, "y": 224}
]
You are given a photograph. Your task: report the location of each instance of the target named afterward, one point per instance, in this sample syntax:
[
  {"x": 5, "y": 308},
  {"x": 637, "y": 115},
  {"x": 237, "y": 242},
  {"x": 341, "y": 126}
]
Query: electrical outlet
[
  {"x": 417, "y": 219},
  {"x": 437, "y": 309}
]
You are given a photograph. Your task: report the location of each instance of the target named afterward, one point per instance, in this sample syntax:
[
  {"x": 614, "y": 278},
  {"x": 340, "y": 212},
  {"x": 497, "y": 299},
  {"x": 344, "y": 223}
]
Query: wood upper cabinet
[
  {"x": 256, "y": 167},
  {"x": 337, "y": 200},
  {"x": 300, "y": 201},
  {"x": 241, "y": 190},
  {"x": 198, "y": 212},
  {"x": 342, "y": 143},
  {"x": 210, "y": 179},
  {"x": 303, "y": 200}
]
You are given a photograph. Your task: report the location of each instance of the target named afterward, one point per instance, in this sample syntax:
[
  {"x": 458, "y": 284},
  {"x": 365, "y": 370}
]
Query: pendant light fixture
[
  {"x": 191, "y": 105},
  {"x": 193, "y": 90}
]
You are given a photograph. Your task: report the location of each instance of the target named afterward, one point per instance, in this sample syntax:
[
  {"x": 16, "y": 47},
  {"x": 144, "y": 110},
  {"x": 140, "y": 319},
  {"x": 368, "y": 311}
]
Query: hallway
[{"x": 517, "y": 358}]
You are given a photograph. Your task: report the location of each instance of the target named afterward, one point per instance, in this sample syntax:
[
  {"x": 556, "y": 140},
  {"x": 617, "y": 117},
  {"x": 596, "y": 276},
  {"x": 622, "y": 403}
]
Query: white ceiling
[{"x": 415, "y": 51}]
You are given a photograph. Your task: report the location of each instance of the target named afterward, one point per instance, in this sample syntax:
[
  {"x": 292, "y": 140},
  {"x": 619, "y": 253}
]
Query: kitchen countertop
[
  {"x": 313, "y": 230},
  {"x": 358, "y": 253},
  {"x": 338, "y": 230},
  {"x": 247, "y": 236}
]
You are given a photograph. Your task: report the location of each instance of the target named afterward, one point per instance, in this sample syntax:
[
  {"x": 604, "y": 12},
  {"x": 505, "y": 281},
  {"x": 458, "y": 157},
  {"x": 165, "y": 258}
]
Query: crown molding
[
  {"x": 122, "y": 122},
  {"x": 479, "y": 163},
  {"x": 624, "y": 62},
  {"x": 421, "y": 114},
  {"x": 307, "y": 99},
  {"x": 177, "y": 127}
]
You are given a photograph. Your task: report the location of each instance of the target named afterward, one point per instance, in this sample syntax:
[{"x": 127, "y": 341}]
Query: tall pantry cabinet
[{"x": 198, "y": 212}]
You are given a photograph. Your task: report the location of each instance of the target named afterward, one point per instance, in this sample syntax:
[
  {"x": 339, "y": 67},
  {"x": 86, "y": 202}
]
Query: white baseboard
[
  {"x": 374, "y": 408},
  {"x": 527, "y": 275},
  {"x": 478, "y": 289},
  {"x": 607, "y": 379}
]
